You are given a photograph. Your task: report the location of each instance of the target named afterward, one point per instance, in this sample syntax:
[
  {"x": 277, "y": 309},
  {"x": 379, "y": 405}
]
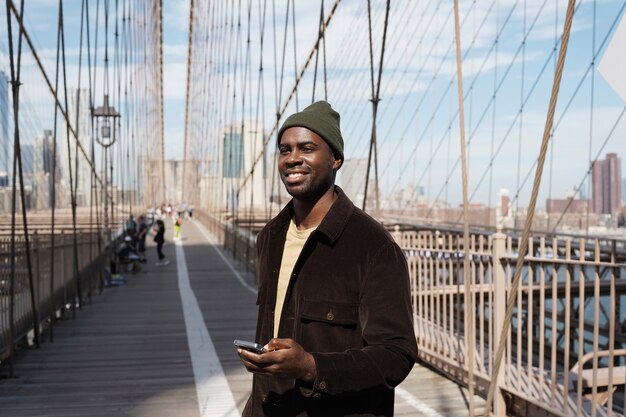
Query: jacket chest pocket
[{"x": 326, "y": 326}]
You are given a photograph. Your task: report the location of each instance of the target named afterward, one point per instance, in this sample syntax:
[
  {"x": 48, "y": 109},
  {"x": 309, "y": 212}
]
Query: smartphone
[{"x": 251, "y": 346}]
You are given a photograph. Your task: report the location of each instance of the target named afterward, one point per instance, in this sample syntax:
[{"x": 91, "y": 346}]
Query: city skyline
[{"x": 415, "y": 148}]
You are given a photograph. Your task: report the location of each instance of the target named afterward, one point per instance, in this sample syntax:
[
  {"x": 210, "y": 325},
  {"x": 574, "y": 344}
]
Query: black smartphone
[{"x": 251, "y": 346}]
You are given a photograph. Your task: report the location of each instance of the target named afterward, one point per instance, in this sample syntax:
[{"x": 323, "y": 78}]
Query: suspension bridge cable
[
  {"x": 11, "y": 6},
  {"x": 16, "y": 69},
  {"x": 53, "y": 188},
  {"x": 591, "y": 99},
  {"x": 375, "y": 99},
  {"x": 588, "y": 172},
  {"x": 77, "y": 299},
  {"x": 473, "y": 133},
  {"x": 317, "y": 53},
  {"x": 295, "y": 54},
  {"x": 576, "y": 89},
  {"x": 521, "y": 112},
  {"x": 523, "y": 246},
  {"x": 187, "y": 94},
  {"x": 469, "y": 295},
  {"x": 291, "y": 94}
]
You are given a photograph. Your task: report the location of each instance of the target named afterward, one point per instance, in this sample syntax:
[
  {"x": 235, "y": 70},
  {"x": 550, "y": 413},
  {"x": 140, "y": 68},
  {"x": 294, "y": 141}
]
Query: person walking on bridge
[
  {"x": 159, "y": 239},
  {"x": 334, "y": 300}
]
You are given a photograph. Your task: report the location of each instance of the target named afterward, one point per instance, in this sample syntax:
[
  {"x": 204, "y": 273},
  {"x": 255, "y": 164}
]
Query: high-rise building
[
  {"x": 43, "y": 166},
  {"x": 351, "y": 179},
  {"x": 27, "y": 152},
  {"x": 240, "y": 148},
  {"x": 606, "y": 178},
  {"x": 4, "y": 123},
  {"x": 78, "y": 105}
]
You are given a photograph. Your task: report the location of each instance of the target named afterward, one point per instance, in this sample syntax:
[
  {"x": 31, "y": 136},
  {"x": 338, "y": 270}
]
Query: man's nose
[{"x": 294, "y": 158}]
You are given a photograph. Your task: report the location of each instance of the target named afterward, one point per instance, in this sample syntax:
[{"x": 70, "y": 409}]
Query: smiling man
[{"x": 334, "y": 299}]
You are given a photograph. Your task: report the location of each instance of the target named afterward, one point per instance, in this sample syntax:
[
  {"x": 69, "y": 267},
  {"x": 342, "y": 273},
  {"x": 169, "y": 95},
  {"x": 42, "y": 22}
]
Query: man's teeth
[{"x": 295, "y": 174}]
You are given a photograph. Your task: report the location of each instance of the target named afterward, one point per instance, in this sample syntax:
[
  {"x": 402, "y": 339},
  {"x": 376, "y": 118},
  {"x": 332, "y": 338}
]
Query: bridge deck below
[{"x": 141, "y": 349}]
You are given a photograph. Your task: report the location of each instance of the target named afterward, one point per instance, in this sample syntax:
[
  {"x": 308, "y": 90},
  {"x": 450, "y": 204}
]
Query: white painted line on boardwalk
[
  {"x": 215, "y": 245},
  {"x": 213, "y": 391},
  {"x": 416, "y": 403}
]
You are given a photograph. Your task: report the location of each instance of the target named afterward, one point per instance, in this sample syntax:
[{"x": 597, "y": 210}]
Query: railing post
[
  {"x": 397, "y": 235},
  {"x": 499, "y": 289}
]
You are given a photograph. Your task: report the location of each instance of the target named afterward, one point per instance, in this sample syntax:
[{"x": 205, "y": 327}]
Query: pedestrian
[
  {"x": 178, "y": 221},
  {"x": 128, "y": 257},
  {"x": 159, "y": 238},
  {"x": 131, "y": 226},
  {"x": 334, "y": 298},
  {"x": 141, "y": 238}
]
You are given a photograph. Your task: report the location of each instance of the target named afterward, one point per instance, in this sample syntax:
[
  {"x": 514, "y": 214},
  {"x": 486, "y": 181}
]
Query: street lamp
[{"x": 105, "y": 124}]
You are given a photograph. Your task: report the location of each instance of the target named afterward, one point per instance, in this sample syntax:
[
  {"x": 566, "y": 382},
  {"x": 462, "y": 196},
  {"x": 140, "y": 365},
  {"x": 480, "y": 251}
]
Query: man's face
[{"x": 306, "y": 163}]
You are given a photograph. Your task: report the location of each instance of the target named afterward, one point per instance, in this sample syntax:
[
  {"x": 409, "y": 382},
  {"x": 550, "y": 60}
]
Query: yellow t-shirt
[{"x": 294, "y": 243}]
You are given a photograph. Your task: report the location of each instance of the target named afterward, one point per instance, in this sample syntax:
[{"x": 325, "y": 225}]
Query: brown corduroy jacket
[{"x": 348, "y": 304}]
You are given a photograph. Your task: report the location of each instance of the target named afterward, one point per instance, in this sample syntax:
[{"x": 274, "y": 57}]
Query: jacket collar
[{"x": 332, "y": 224}]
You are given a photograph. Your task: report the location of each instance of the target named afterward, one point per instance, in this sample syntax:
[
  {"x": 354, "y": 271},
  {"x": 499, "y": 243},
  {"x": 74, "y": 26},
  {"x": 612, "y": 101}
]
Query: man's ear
[{"x": 337, "y": 164}]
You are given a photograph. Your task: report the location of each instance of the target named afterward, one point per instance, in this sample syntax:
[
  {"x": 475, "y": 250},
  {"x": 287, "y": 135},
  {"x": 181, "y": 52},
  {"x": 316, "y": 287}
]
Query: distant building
[
  {"x": 606, "y": 178},
  {"x": 566, "y": 205},
  {"x": 28, "y": 158},
  {"x": 351, "y": 179},
  {"x": 78, "y": 105},
  {"x": 240, "y": 146},
  {"x": 574, "y": 202},
  {"x": 504, "y": 211},
  {"x": 4, "y": 123},
  {"x": 407, "y": 198},
  {"x": 43, "y": 165},
  {"x": 173, "y": 181}
]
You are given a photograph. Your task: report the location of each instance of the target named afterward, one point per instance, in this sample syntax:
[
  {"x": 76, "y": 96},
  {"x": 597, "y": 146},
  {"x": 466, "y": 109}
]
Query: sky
[{"x": 410, "y": 141}]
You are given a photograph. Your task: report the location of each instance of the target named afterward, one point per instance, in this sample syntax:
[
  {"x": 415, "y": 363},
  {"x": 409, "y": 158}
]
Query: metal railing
[
  {"x": 550, "y": 329},
  {"x": 563, "y": 357},
  {"x": 52, "y": 292}
]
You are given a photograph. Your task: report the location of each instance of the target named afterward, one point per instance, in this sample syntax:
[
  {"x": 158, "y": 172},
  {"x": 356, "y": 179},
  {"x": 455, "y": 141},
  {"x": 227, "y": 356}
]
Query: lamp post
[{"x": 105, "y": 116}]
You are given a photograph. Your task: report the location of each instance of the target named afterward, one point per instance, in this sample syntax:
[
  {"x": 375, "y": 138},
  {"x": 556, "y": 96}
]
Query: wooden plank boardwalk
[{"x": 128, "y": 352}]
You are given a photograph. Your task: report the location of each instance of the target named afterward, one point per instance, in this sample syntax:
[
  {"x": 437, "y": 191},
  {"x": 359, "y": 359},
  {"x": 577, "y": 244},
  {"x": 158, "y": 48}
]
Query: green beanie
[{"x": 320, "y": 118}]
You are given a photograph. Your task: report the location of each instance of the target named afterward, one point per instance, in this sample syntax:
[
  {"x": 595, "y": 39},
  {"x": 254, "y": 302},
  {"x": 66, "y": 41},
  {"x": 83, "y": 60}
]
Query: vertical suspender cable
[
  {"x": 17, "y": 160},
  {"x": 324, "y": 54},
  {"x": 281, "y": 110},
  {"x": 375, "y": 99},
  {"x": 469, "y": 297},
  {"x": 317, "y": 53},
  {"x": 160, "y": 110},
  {"x": 53, "y": 194},
  {"x": 187, "y": 97},
  {"x": 523, "y": 246},
  {"x": 295, "y": 52},
  {"x": 93, "y": 186},
  {"x": 591, "y": 113},
  {"x": 73, "y": 175}
]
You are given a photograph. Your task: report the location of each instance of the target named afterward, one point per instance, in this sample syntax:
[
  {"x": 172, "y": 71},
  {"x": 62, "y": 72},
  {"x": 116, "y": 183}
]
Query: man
[
  {"x": 128, "y": 256},
  {"x": 159, "y": 239},
  {"x": 141, "y": 238},
  {"x": 334, "y": 297}
]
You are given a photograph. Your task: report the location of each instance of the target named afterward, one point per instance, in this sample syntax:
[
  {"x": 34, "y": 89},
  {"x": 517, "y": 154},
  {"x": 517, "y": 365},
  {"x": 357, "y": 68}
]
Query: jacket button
[
  {"x": 330, "y": 316},
  {"x": 322, "y": 385}
]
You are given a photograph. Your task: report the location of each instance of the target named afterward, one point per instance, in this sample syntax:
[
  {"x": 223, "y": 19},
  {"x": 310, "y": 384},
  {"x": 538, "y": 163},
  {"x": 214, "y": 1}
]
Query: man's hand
[{"x": 285, "y": 359}]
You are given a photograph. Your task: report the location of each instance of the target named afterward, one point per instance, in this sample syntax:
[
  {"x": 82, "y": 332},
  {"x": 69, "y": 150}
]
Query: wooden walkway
[{"x": 129, "y": 353}]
